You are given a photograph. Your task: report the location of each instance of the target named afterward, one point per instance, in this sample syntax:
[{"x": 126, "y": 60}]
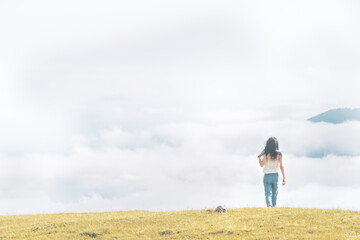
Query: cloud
[
  {"x": 221, "y": 54},
  {"x": 177, "y": 166}
]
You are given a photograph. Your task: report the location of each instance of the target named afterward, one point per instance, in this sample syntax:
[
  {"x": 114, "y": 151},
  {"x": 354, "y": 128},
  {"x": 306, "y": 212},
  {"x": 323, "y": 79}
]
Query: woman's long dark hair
[{"x": 272, "y": 147}]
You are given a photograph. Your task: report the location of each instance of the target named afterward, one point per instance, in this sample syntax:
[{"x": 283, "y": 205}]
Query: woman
[{"x": 272, "y": 162}]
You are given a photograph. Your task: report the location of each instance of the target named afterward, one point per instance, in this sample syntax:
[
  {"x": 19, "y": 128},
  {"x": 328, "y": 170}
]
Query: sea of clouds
[{"x": 186, "y": 165}]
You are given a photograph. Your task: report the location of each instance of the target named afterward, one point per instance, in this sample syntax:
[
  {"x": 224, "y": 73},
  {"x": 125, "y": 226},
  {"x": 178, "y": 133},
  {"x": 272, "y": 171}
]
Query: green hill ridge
[{"x": 337, "y": 116}]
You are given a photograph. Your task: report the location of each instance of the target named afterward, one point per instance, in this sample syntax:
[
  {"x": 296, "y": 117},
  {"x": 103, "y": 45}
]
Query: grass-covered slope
[{"x": 244, "y": 223}]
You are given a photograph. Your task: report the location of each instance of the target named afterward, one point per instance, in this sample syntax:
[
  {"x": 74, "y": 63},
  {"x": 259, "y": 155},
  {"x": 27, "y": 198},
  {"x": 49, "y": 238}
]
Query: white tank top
[{"x": 271, "y": 166}]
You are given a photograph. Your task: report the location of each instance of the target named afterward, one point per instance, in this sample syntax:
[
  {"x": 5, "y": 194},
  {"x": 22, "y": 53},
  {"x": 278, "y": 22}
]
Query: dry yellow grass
[{"x": 243, "y": 223}]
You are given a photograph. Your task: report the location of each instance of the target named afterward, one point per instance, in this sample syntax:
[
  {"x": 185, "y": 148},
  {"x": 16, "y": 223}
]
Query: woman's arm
[
  {"x": 261, "y": 162},
  {"x": 282, "y": 169}
]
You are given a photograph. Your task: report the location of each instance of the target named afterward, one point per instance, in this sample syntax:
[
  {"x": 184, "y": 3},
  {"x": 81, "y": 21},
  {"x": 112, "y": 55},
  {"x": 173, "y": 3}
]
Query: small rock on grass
[{"x": 220, "y": 209}]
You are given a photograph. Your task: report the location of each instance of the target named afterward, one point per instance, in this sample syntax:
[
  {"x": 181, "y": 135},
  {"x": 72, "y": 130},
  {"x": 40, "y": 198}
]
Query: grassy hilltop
[{"x": 243, "y": 223}]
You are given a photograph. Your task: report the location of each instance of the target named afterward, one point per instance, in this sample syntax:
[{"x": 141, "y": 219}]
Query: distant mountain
[{"x": 337, "y": 116}]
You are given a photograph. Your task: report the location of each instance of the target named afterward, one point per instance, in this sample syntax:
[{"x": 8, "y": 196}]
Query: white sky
[{"x": 163, "y": 105}]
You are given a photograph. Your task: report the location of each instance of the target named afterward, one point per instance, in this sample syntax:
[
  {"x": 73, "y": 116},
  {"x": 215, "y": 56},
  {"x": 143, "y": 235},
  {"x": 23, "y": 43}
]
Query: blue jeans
[{"x": 271, "y": 188}]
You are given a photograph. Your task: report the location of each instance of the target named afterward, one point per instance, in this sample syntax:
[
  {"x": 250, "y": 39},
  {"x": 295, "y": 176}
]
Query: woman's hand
[
  {"x": 284, "y": 182},
  {"x": 262, "y": 153}
]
